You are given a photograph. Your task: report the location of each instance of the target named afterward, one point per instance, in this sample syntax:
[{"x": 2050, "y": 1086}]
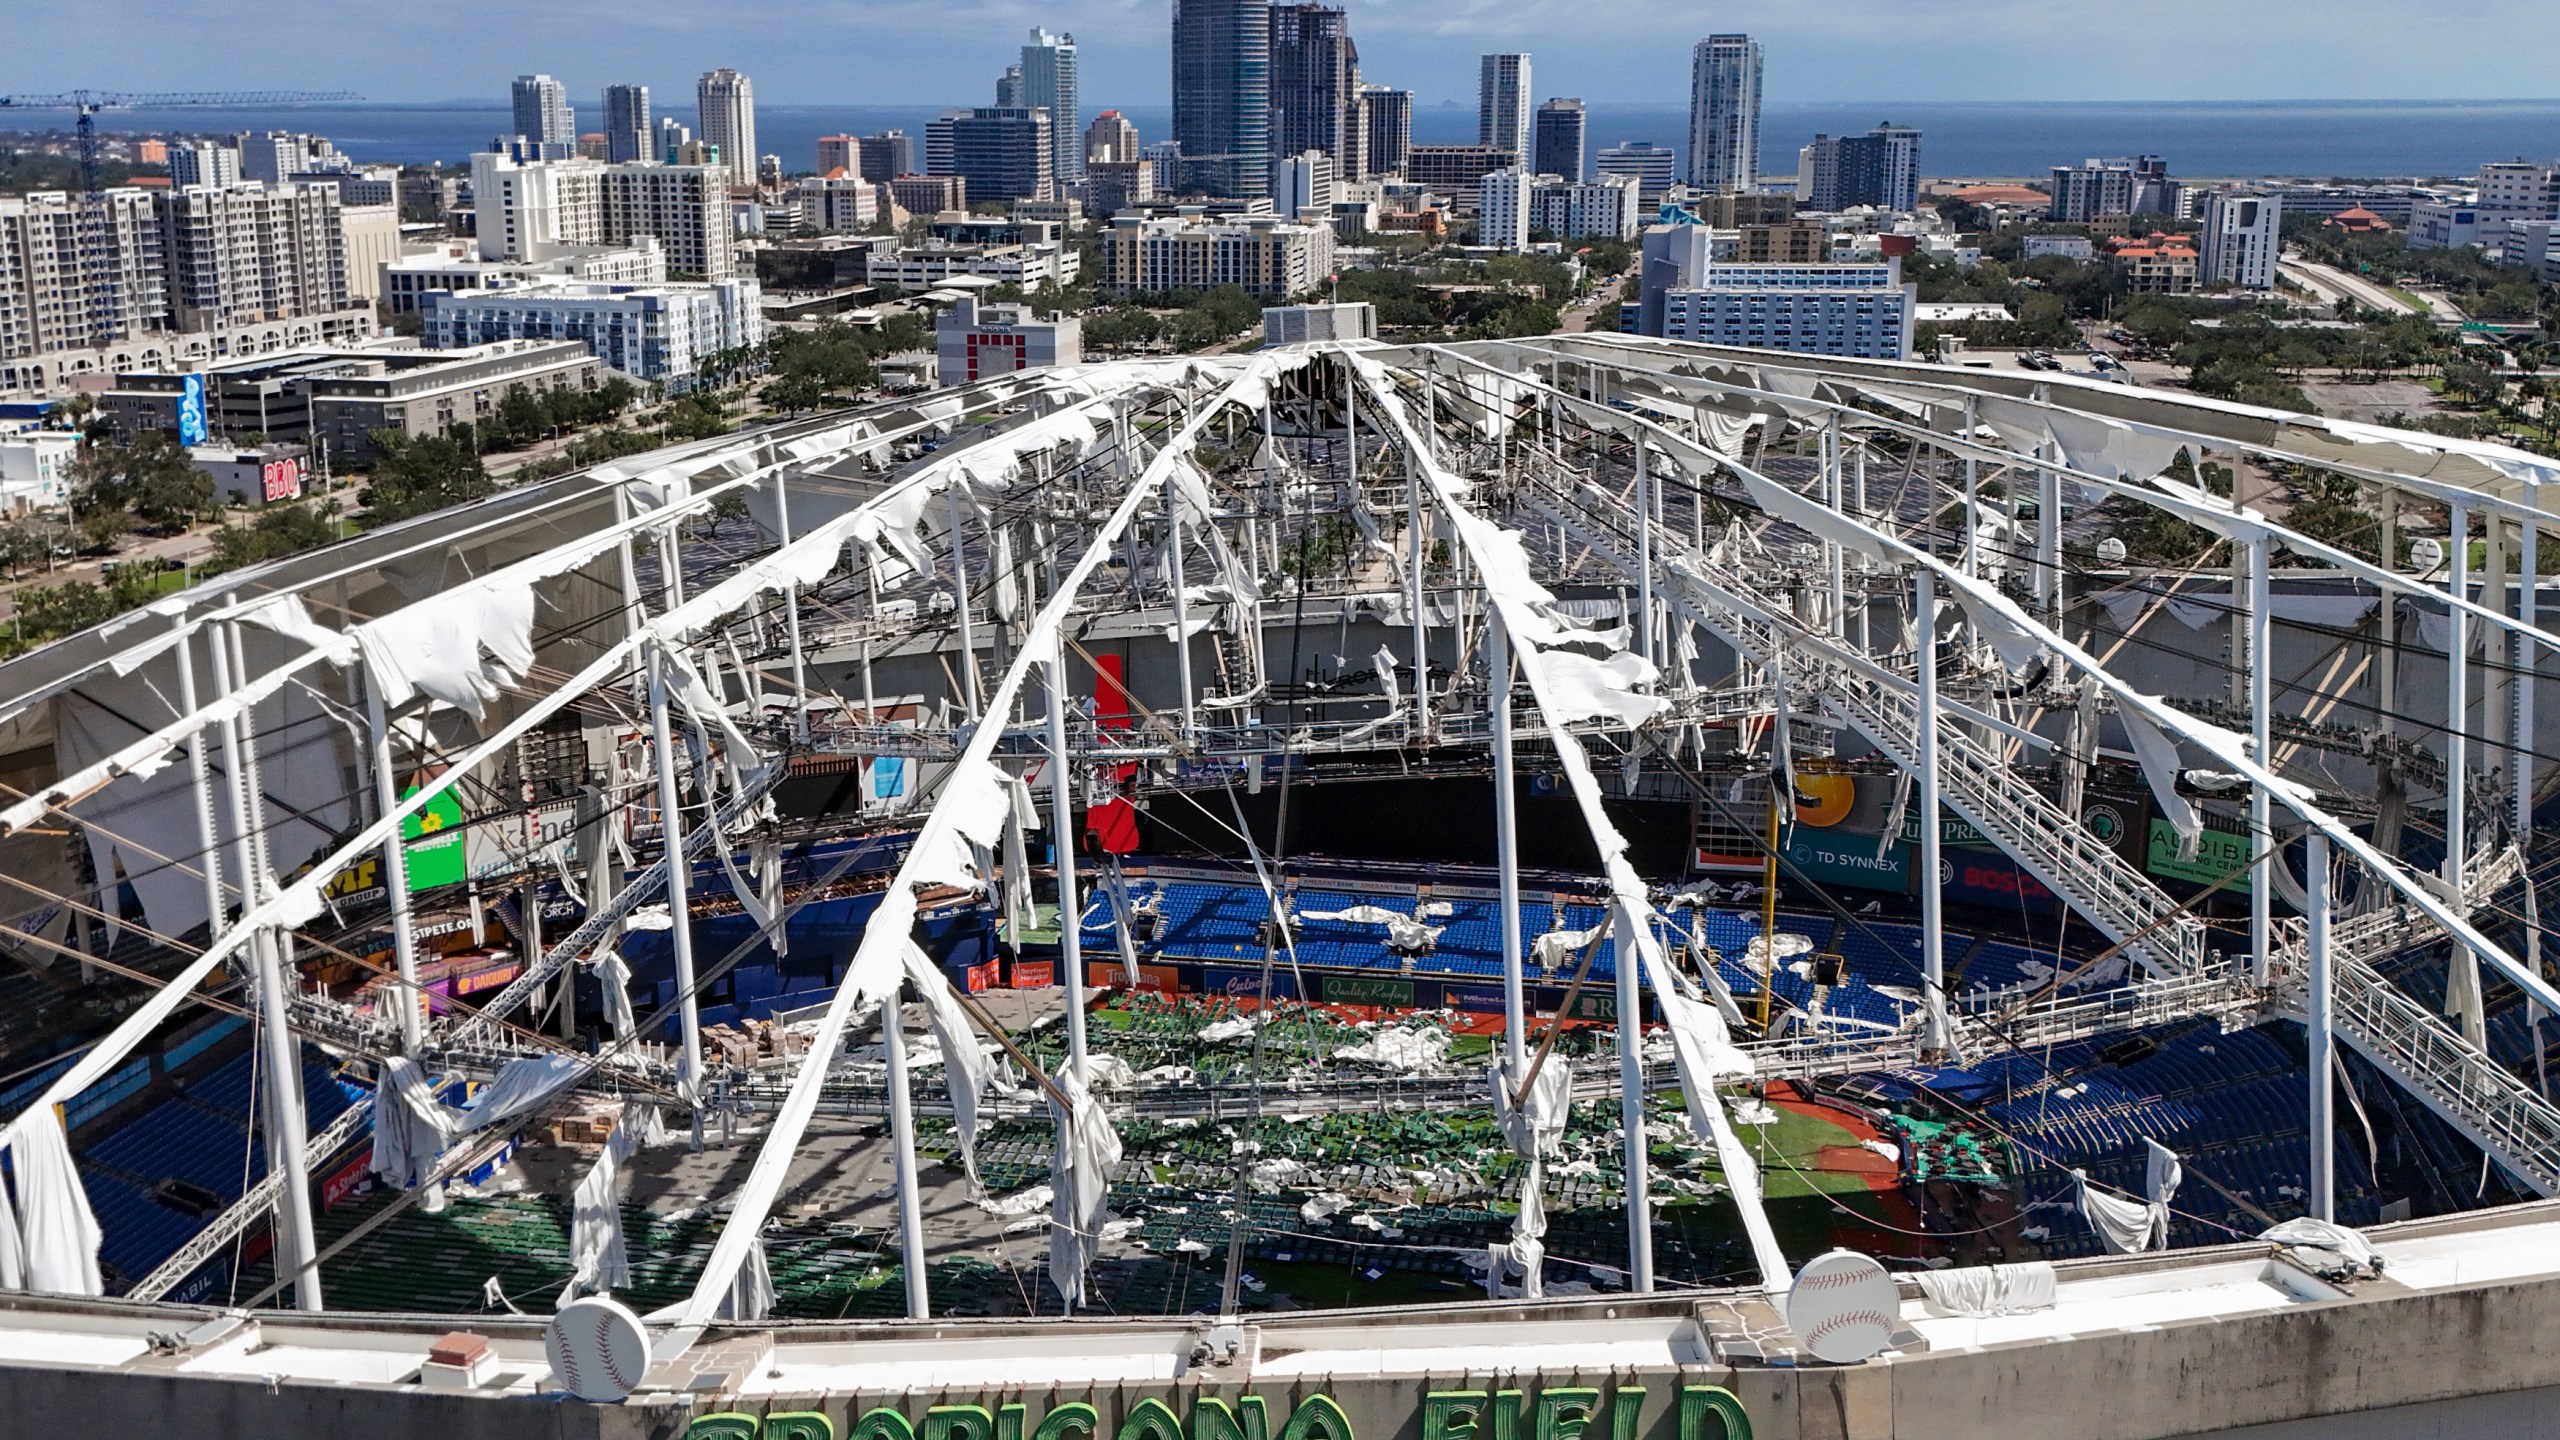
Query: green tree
[
  {"x": 416, "y": 475},
  {"x": 278, "y": 531},
  {"x": 152, "y": 477}
]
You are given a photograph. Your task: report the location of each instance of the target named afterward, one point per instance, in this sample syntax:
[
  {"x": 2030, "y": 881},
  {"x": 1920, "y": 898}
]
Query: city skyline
[{"x": 912, "y": 52}]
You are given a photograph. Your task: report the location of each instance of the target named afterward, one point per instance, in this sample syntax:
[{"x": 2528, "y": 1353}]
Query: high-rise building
[
  {"x": 1557, "y": 145},
  {"x": 1049, "y": 82},
  {"x": 1222, "y": 95},
  {"x": 726, "y": 102},
  {"x": 1315, "y": 87},
  {"x": 1111, "y": 140},
  {"x": 528, "y": 211},
  {"x": 1502, "y": 103},
  {"x": 1880, "y": 168},
  {"x": 1387, "y": 114},
  {"x": 2518, "y": 190},
  {"x": 673, "y": 136},
  {"x": 1302, "y": 186},
  {"x": 543, "y": 118},
  {"x": 2242, "y": 233},
  {"x": 1502, "y": 209},
  {"x": 834, "y": 203},
  {"x": 839, "y": 152},
  {"x": 1724, "y": 113},
  {"x": 1606, "y": 208},
  {"x": 626, "y": 123},
  {"x": 79, "y": 271},
  {"x": 239, "y": 254},
  {"x": 1112, "y": 186},
  {"x": 1003, "y": 152},
  {"x": 203, "y": 162},
  {"x": 2093, "y": 190},
  {"x": 1651, "y": 164},
  {"x": 1457, "y": 171},
  {"x": 888, "y": 155}
]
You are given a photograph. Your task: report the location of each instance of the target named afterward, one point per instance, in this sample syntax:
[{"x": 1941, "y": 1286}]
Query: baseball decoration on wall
[
  {"x": 1843, "y": 1307},
  {"x": 598, "y": 1349}
]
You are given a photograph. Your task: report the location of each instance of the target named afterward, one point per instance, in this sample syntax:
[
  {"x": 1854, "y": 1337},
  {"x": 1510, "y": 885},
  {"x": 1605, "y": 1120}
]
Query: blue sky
[{"x": 937, "y": 51}]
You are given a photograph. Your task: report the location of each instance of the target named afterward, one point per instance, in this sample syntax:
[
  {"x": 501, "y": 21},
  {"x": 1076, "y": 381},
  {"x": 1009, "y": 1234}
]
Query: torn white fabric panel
[
  {"x": 596, "y": 1251},
  {"x": 436, "y": 649},
  {"x": 13, "y": 1254},
  {"x": 1554, "y": 949},
  {"x": 285, "y": 615},
  {"x": 2098, "y": 445},
  {"x": 613, "y": 977},
  {"x": 1706, "y": 1055},
  {"x": 1537, "y": 1126},
  {"x": 2017, "y": 646},
  {"x": 1981, "y": 1291},
  {"x": 751, "y": 1295},
  {"x": 59, "y": 1234},
  {"x": 2159, "y": 756},
  {"x": 1780, "y": 503},
  {"x": 2161, "y": 1175},
  {"x": 2462, "y": 1002},
  {"x": 520, "y": 1086},
  {"x": 2350, "y": 1246},
  {"x": 1083, "y": 1160},
  {"x": 1582, "y": 688},
  {"x": 2126, "y": 1226},
  {"x": 411, "y": 1127},
  {"x": 969, "y": 1071}
]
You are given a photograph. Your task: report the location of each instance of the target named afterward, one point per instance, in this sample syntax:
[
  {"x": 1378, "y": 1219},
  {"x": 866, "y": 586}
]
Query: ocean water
[{"x": 2006, "y": 138}]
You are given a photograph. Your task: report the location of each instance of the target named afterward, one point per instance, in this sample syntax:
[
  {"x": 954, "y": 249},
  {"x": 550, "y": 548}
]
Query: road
[
  {"x": 2333, "y": 284},
  {"x": 1578, "y": 318}
]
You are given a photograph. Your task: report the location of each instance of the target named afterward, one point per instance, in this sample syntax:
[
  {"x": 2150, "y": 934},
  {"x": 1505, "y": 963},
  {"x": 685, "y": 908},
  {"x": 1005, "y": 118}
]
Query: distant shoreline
[{"x": 2241, "y": 139}]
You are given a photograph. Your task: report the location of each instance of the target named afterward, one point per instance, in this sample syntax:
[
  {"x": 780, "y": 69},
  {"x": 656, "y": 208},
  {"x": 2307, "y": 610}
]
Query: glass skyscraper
[
  {"x": 1724, "y": 113},
  {"x": 1222, "y": 96}
]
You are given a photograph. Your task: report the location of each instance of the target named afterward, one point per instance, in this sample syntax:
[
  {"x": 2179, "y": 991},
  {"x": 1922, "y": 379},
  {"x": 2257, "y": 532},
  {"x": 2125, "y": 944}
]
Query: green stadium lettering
[{"x": 1707, "y": 1412}]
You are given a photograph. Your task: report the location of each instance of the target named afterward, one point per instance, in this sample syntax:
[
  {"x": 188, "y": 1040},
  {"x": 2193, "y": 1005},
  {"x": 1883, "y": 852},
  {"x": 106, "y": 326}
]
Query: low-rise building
[
  {"x": 835, "y": 203},
  {"x": 929, "y": 194},
  {"x": 973, "y": 340},
  {"x": 1337, "y": 320},
  {"x": 1798, "y": 242},
  {"x": 2069, "y": 247},
  {"x": 656, "y": 333},
  {"x": 2443, "y": 225},
  {"x": 1271, "y": 258},
  {"x": 927, "y": 266},
  {"x": 258, "y": 475},
  {"x": 428, "y": 392},
  {"x": 2158, "y": 265},
  {"x": 455, "y": 266},
  {"x": 35, "y": 469},
  {"x": 1864, "y": 311},
  {"x": 329, "y": 398}
]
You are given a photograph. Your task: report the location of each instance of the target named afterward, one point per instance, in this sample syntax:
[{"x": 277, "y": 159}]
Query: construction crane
[{"x": 90, "y": 102}]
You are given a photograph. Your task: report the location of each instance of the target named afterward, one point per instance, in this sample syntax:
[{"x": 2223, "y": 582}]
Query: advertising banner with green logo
[
  {"x": 434, "y": 836},
  {"x": 1829, "y": 857},
  {"x": 2218, "y": 853}
]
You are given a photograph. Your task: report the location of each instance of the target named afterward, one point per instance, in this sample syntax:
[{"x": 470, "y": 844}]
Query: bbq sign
[{"x": 1706, "y": 1412}]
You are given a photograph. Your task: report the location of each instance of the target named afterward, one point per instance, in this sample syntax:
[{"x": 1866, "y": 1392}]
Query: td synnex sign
[{"x": 1705, "y": 1412}]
